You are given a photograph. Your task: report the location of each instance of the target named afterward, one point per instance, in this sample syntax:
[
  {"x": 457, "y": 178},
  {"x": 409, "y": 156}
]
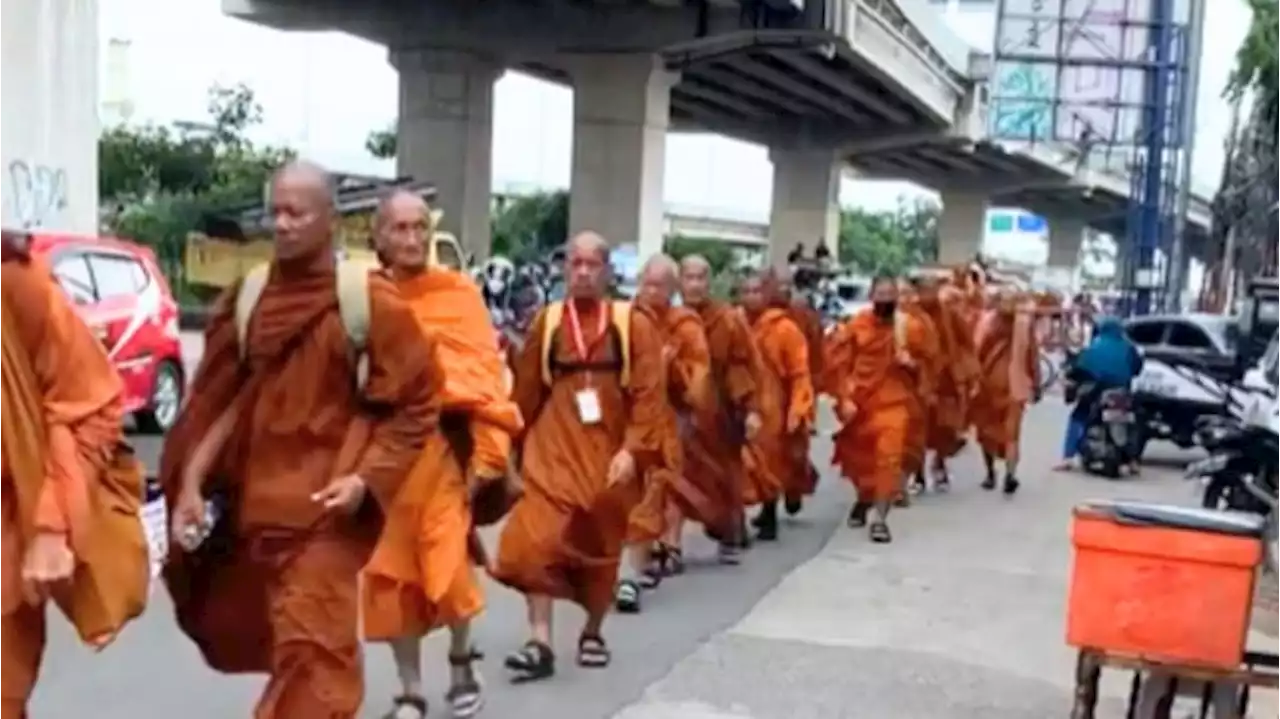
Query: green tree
[
  {"x": 156, "y": 183},
  {"x": 528, "y": 227},
  {"x": 889, "y": 242},
  {"x": 719, "y": 254},
  {"x": 1257, "y": 57},
  {"x": 381, "y": 143}
]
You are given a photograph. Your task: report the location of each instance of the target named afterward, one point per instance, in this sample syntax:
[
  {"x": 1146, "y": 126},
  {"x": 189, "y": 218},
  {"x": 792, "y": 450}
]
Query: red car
[{"x": 124, "y": 298}]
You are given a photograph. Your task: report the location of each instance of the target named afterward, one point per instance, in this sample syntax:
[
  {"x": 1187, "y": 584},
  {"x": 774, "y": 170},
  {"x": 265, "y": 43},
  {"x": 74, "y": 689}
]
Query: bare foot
[{"x": 1064, "y": 466}]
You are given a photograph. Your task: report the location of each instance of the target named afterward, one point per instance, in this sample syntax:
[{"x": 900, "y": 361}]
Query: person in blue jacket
[{"x": 1110, "y": 361}]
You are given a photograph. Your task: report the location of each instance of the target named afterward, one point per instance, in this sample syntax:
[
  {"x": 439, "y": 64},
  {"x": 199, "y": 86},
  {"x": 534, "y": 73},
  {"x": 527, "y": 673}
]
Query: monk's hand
[
  {"x": 846, "y": 411},
  {"x": 343, "y": 494},
  {"x": 751, "y": 426},
  {"x": 622, "y": 468},
  {"x": 668, "y": 354},
  {"x": 49, "y": 562},
  {"x": 187, "y": 518},
  {"x": 904, "y": 358}
]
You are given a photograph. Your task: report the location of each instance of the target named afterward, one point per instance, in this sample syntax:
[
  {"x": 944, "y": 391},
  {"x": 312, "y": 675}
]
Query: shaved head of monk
[
  {"x": 586, "y": 266},
  {"x": 754, "y": 294},
  {"x": 884, "y": 296},
  {"x": 401, "y": 230},
  {"x": 658, "y": 279},
  {"x": 695, "y": 279},
  {"x": 302, "y": 212},
  {"x": 927, "y": 289}
]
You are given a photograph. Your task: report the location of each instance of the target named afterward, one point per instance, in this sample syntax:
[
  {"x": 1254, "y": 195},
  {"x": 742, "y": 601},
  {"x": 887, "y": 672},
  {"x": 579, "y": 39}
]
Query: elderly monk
[
  {"x": 809, "y": 320},
  {"x": 711, "y": 489},
  {"x": 928, "y": 367},
  {"x": 1008, "y": 359},
  {"x": 652, "y": 552},
  {"x": 781, "y": 458},
  {"x": 421, "y": 575},
  {"x": 956, "y": 379},
  {"x": 71, "y": 492},
  {"x": 875, "y": 360},
  {"x": 298, "y": 431},
  {"x": 590, "y": 386}
]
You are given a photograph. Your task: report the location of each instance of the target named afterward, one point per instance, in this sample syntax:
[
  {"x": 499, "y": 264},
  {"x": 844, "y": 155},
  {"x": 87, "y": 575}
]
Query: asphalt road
[{"x": 153, "y": 671}]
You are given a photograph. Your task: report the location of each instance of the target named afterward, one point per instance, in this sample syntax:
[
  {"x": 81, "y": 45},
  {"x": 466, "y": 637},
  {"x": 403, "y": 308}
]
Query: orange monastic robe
[
  {"x": 809, "y": 321},
  {"x": 926, "y": 355},
  {"x": 871, "y": 445},
  {"x": 1009, "y": 373},
  {"x": 687, "y": 368},
  {"x": 420, "y": 576},
  {"x": 564, "y": 536},
  {"x": 778, "y": 463},
  {"x": 711, "y": 487},
  {"x": 957, "y": 373},
  {"x": 274, "y": 590},
  {"x": 64, "y": 472}
]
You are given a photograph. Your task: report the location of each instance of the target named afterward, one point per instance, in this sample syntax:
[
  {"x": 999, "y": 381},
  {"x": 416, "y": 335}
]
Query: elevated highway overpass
[{"x": 881, "y": 85}]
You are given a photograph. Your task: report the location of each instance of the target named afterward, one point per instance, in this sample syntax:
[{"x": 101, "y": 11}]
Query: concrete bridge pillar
[
  {"x": 806, "y": 202},
  {"x": 621, "y": 110},
  {"x": 445, "y": 135},
  {"x": 961, "y": 226},
  {"x": 1066, "y": 238}
]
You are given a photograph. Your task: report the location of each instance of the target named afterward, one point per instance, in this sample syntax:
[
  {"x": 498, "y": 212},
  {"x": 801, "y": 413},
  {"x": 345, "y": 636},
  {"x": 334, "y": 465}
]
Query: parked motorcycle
[
  {"x": 1110, "y": 424},
  {"x": 1239, "y": 472}
]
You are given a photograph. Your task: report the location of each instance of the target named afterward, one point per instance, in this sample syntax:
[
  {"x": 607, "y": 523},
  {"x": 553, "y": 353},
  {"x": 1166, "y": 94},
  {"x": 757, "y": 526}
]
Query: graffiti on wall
[
  {"x": 37, "y": 193},
  {"x": 1022, "y": 108}
]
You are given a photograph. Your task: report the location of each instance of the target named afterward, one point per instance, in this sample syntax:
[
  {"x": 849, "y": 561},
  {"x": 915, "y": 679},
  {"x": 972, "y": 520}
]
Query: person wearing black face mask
[{"x": 876, "y": 355}]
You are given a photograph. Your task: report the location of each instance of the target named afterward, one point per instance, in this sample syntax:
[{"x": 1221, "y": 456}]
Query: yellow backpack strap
[
  {"x": 621, "y": 319},
  {"x": 247, "y": 297},
  {"x": 900, "y": 330},
  {"x": 354, "y": 307},
  {"x": 551, "y": 318}
]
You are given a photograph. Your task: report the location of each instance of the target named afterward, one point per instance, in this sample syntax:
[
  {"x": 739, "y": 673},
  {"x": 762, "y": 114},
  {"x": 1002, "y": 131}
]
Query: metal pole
[
  {"x": 1192, "y": 52},
  {"x": 1155, "y": 127}
]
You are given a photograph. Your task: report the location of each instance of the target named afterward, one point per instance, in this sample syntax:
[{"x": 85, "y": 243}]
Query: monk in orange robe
[
  {"x": 956, "y": 377},
  {"x": 590, "y": 386},
  {"x": 874, "y": 356},
  {"x": 296, "y": 436},
  {"x": 1009, "y": 376},
  {"x": 421, "y": 575},
  {"x": 784, "y": 359},
  {"x": 72, "y": 490},
  {"x": 710, "y": 490},
  {"x": 651, "y": 553},
  {"x": 809, "y": 320},
  {"x": 928, "y": 367}
]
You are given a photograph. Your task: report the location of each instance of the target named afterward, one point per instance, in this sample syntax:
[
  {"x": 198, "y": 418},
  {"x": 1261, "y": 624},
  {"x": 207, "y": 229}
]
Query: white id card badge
[{"x": 588, "y": 406}]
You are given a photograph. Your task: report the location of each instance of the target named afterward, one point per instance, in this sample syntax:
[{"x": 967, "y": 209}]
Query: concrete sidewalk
[{"x": 960, "y": 617}]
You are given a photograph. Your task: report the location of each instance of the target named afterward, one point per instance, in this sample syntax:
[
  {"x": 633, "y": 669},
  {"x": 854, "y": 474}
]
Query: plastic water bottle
[{"x": 192, "y": 536}]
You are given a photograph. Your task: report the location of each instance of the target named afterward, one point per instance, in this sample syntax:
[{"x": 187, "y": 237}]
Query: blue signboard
[{"x": 1031, "y": 224}]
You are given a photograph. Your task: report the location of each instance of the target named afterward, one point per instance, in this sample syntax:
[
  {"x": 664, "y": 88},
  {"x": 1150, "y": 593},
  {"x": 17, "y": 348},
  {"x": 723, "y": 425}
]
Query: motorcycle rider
[{"x": 1110, "y": 361}]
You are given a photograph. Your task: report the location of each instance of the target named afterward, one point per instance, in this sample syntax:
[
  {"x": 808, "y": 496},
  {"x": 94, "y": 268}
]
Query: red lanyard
[{"x": 580, "y": 345}]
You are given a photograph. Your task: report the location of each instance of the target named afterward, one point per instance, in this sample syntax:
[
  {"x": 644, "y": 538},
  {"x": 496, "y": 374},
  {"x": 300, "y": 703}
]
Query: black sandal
[
  {"x": 466, "y": 698},
  {"x": 1010, "y": 486},
  {"x": 531, "y": 662},
  {"x": 990, "y": 482},
  {"x": 407, "y": 701},
  {"x": 879, "y": 533},
  {"x": 671, "y": 560},
  {"x": 858, "y": 515},
  {"x": 593, "y": 653}
]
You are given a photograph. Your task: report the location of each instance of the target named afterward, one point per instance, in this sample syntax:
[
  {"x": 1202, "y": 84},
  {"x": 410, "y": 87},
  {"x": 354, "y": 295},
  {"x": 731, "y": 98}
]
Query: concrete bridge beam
[
  {"x": 621, "y": 110},
  {"x": 445, "y": 134},
  {"x": 961, "y": 226},
  {"x": 806, "y": 201}
]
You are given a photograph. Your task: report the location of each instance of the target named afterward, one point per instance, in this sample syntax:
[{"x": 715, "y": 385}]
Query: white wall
[{"x": 49, "y": 114}]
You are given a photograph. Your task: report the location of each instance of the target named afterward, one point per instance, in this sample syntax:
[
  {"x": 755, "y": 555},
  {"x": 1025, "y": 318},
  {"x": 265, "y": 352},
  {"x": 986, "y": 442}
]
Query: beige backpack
[{"x": 352, "y": 279}]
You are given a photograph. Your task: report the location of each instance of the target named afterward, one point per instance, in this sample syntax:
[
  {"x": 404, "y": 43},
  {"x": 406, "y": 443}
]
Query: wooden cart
[{"x": 1257, "y": 669}]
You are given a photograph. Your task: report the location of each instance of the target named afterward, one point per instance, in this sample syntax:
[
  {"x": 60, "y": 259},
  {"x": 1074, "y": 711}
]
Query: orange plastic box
[{"x": 1165, "y": 583}]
